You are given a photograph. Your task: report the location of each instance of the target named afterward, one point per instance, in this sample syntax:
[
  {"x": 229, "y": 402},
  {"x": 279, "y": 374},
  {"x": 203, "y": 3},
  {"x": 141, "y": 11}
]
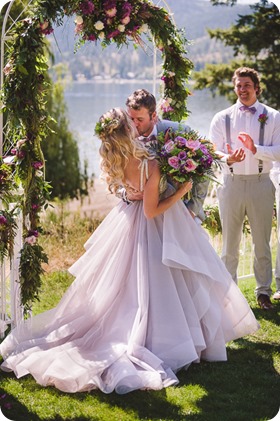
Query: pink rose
[
  {"x": 193, "y": 144},
  {"x": 169, "y": 145},
  {"x": 174, "y": 162},
  {"x": 190, "y": 165},
  {"x": 31, "y": 240}
]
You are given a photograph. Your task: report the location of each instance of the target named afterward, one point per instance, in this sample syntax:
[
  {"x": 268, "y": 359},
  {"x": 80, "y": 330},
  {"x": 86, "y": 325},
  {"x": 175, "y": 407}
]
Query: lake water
[{"x": 87, "y": 101}]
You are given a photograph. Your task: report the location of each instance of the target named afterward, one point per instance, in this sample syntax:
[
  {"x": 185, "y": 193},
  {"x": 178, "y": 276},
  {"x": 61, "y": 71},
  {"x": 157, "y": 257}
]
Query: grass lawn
[{"x": 245, "y": 388}]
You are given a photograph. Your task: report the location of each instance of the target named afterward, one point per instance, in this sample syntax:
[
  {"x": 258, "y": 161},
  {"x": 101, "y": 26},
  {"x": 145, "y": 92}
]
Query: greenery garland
[
  {"x": 25, "y": 87},
  {"x": 212, "y": 221}
]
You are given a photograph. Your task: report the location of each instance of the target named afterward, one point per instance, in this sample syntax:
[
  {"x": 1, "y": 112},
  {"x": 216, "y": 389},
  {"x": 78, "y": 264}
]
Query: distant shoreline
[{"x": 110, "y": 80}]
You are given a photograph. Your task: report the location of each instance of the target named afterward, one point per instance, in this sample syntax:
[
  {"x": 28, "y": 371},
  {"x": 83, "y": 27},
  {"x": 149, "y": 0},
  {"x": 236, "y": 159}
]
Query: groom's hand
[{"x": 132, "y": 196}]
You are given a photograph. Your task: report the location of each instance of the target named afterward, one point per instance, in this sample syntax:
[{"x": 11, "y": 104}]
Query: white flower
[
  {"x": 102, "y": 35},
  {"x": 79, "y": 20},
  {"x": 39, "y": 173},
  {"x": 171, "y": 74},
  {"x": 121, "y": 28},
  {"x": 144, "y": 28},
  {"x": 99, "y": 25}
]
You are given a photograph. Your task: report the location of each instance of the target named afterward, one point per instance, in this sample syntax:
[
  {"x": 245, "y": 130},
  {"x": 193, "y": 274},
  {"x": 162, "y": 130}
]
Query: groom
[{"x": 141, "y": 107}]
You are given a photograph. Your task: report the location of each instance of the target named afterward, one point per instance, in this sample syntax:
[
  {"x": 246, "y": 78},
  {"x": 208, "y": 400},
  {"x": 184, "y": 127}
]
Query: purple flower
[
  {"x": 91, "y": 37},
  {"x": 87, "y": 7},
  {"x": 37, "y": 165},
  {"x": 203, "y": 149},
  {"x": 33, "y": 233},
  {"x": 180, "y": 141},
  {"x": 262, "y": 118},
  {"x": 3, "y": 220},
  {"x": 174, "y": 162},
  {"x": 109, "y": 4},
  {"x": 127, "y": 9},
  {"x": 182, "y": 155},
  {"x": 20, "y": 154},
  {"x": 113, "y": 34},
  {"x": 35, "y": 207}
]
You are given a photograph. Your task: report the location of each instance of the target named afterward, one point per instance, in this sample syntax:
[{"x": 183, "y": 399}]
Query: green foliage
[
  {"x": 255, "y": 41},
  {"x": 31, "y": 258},
  {"x": 8, "y": 231},
  {"x": 213, "y": 225},
  {"x": 8, "y": 184}
]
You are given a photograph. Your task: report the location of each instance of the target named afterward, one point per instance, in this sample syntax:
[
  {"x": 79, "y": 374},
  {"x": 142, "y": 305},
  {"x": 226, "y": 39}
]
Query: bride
[{"x": 150, "y": 297}]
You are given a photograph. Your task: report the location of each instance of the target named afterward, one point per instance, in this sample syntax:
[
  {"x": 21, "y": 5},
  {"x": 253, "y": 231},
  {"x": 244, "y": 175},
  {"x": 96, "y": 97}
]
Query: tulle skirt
[{"x": 149, "y": 298}]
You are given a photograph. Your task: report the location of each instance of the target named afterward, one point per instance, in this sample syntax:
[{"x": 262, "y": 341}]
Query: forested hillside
[{"x": 195, "y": 16}]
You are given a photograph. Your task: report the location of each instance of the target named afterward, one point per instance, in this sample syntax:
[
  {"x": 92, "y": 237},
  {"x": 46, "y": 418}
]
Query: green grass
[{"x": 246, "y": 387}]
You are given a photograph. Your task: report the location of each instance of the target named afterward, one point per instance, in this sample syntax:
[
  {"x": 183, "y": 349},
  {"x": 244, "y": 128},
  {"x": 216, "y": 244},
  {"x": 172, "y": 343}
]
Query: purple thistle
[
  {"x": 87, "y": 7},
  {"x": 113, "y": 34},
  {"x": 127, "y": 9}
]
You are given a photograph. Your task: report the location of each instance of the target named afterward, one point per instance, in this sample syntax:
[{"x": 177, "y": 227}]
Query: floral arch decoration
[{"x": 104, "y": 21}]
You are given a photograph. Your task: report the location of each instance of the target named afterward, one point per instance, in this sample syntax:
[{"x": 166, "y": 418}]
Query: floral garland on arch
[{"x": 25, "y": 84}]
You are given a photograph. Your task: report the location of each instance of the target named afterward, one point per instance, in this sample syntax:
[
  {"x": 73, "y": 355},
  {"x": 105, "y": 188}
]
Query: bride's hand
[{"x": 185, "y": 188}]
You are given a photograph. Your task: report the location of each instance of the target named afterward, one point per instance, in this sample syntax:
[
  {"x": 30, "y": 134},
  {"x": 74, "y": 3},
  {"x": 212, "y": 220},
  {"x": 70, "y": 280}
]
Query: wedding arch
[{"x": 24, "y": 192}]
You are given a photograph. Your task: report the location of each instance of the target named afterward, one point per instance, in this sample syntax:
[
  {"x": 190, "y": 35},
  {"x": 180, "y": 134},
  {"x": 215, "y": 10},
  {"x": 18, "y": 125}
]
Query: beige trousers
[{"x": 250, "y": 195}]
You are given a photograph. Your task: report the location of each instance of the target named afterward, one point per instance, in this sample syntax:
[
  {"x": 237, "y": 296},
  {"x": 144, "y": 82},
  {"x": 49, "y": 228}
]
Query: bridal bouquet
[{"x": 185, "y": 156}]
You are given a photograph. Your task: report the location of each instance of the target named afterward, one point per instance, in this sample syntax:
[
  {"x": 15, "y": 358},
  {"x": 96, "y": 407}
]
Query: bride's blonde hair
[{"x": 119, "y": 143}]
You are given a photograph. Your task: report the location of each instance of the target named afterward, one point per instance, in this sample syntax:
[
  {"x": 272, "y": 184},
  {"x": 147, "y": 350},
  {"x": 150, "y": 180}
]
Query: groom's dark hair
[{"x": 142, "y": 98}]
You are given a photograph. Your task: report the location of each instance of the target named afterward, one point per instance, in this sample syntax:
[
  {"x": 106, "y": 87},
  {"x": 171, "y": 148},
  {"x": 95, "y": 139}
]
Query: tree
[
  {"x": 61, "y": 151},
  {"x": 255, "y": 42}
]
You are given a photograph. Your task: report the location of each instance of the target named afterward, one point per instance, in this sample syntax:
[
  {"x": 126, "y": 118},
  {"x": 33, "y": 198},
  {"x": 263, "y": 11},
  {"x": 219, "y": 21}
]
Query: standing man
[
  {"x": 247, "y": 188},
  {"x": 141, "y": 107},
  {"x": 275, "y": 177}
]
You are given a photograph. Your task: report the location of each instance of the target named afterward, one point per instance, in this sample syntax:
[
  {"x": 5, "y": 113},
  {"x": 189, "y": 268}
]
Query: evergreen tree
[
  {"x": 61, "y": 151},
  {"x": 255, "y": 41}
]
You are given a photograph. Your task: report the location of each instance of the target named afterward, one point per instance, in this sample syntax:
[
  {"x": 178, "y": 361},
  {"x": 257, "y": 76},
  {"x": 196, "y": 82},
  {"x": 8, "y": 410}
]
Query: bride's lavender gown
[{"x": 150, "y": 297}]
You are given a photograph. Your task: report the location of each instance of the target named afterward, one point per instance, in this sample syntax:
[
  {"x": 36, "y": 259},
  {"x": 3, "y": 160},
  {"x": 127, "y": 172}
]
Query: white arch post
[{"x": 11, "y": 311}]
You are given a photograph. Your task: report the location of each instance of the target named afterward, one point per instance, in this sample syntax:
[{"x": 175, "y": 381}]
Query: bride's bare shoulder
[{"x": 153, "y": 166}]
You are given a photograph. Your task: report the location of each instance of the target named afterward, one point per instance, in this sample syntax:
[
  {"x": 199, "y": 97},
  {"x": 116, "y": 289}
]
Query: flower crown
[{"x": 106, "y": 127}]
